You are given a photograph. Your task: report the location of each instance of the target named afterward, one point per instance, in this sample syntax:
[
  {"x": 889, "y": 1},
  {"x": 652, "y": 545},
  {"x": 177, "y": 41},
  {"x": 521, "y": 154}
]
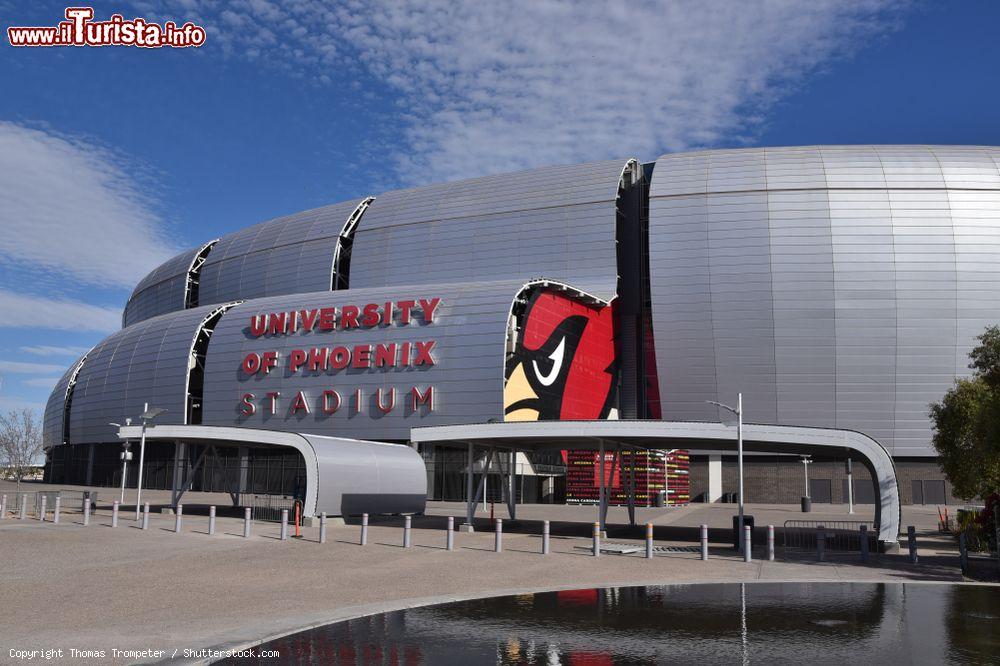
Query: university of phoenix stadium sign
[{"x": 330, "y": 359}]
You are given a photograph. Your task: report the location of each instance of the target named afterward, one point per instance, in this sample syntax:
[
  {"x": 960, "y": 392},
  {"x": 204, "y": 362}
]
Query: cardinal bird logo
[{"x": 563, "y": 366}]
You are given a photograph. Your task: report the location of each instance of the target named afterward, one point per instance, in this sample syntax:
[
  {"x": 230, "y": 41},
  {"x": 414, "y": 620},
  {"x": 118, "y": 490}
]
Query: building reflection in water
[{"x": 823, "y": 623}]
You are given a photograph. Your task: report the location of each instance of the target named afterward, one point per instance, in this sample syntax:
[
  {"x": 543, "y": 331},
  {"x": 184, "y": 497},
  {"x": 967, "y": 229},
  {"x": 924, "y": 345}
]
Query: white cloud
[
  {"x": 51, "y": 350},
  {"x": 41, "y": 382},
  {"x": 8, "y": 403},
  {"x": 25, "y": 311},
  {"x": 494, "y": 86},
  {"x": 21, "y": 368},
  {"x": 63, "y": 199}
]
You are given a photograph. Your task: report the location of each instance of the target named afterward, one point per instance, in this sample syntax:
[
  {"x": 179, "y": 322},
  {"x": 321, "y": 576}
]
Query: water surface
[{"x": 763, "y": 623}]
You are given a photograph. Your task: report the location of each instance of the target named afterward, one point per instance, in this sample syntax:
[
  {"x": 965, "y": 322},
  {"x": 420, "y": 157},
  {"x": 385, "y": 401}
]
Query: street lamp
[
  {"x": 739, "y": 455},
  {"x": 146, "y": 416},
  {"x": 126, "y": 455}
]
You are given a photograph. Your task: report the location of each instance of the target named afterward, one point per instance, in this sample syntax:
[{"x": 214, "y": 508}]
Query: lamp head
[{"x": 152, "y": 413}]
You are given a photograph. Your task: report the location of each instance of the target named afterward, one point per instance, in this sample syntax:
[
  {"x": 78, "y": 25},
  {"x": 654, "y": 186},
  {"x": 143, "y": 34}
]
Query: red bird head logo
[{"x": 563, "y": 366}]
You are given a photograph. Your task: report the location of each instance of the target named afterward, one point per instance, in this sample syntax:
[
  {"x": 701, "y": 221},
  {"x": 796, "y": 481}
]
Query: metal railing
[
  {"x": 71, "y": 500},
  {"x": 267, "y": 508},
  {"x": 840, "y": 535}
]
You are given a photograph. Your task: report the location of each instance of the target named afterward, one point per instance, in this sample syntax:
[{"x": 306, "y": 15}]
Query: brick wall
[{"x": 780, "y": 480}]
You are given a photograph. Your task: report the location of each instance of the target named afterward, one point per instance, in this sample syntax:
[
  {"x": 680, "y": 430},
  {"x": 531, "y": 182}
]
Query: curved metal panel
[
  {"x": 293, "y": 254},
  {"x": 53, "y": 421},
  {"x": 469, "y": 327},
  {"x": 343, "y": 476},
  {"x": 690, "y": 435},
  {"x": 146, "y": 362},
  {"x": 241, "y": 435},
  {"x": 358, "y": 477},
  {"x": 875, "y": 266},
  {"x": 556, "y": 221},
  {"x": 163, "y": 290}
]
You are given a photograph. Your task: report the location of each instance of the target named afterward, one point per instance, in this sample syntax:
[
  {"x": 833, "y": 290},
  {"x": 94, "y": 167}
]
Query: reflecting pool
[{"x": 763, "y": 623}]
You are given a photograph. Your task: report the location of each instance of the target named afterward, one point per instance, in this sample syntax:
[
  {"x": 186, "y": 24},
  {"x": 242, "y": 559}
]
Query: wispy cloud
[
  {"x": 41, "y": 382},
  {"x": 63, "y": 199},
  {"x": 25, "y": 311},
  {"x": 21, "y": 368},
  {"x": 51, "y": 350},
  {"x": 493, "y": 86}
]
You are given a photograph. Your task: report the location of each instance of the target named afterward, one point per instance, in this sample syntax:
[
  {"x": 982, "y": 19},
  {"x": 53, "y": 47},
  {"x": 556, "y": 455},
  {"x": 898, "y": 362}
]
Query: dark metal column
[{"x": 511, "y": 487}]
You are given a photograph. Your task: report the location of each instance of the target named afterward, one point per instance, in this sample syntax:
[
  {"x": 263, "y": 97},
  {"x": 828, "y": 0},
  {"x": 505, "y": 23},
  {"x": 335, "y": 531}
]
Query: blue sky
[{"x": 112, "y": 159}]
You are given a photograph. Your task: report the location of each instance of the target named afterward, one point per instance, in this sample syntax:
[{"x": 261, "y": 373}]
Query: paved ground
[{"x": 69, "y": 586}]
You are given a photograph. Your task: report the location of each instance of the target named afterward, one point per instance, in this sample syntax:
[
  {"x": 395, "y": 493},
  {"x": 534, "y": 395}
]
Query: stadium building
[{"x": 838, "y": 288}]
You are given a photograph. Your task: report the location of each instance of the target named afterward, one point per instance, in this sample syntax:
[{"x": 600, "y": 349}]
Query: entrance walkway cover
[
  {"x": 533, "y": 435},
  {"x": 343, "y": 476}
]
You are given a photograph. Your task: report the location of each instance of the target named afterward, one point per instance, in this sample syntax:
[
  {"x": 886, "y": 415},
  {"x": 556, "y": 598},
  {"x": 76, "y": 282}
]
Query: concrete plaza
[{"x": 98, "y": 587}]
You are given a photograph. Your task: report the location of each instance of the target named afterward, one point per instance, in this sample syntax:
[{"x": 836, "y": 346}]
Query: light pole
[
  {"x": 805, "y": 468},
  {"x": 126, "y": 455},
  {"x": 147, "y": 416},
  {"x": 850, "y": 486},
  {"x": 739, "y": 456}
]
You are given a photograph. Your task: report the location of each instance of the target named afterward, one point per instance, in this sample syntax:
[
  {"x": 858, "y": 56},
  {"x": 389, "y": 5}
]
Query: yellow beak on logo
[{"x": 515, "y": 390}]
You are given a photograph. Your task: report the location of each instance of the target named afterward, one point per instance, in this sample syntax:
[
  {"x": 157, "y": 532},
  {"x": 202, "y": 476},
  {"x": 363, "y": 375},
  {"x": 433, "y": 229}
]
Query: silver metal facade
[
  {"x": 690, "y": 435},
  {"x": 146, "y": 362},
  {"x": 287, "y": 255},
  {"x": 343, "y": 476},
  {"x": 835, "y": 286},
  {"x": 468, "y": 329},
  {"x": 52, "y": 424},
  {"x": 557, "y": 222},
  {"x": 162, "y": 291}
]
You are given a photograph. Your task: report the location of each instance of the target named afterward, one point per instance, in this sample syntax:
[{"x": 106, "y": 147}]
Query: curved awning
[
  {"x": 343, "y": 476},
  {"x": 535, "y": 435}
]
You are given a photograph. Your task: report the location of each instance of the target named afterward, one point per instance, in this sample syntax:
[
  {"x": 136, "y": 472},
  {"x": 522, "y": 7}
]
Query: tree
[
  {"x": 967, "y": 423},
  {"x": 20, "y": 442}
]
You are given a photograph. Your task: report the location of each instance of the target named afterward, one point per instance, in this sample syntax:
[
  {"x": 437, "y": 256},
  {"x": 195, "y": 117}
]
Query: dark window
[{"x": 821, "y": 491}]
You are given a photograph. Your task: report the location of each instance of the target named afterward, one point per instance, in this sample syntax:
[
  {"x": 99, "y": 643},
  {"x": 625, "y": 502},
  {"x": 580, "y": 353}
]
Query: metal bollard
[
  {"x": 450, "y": 539},
  {"x": 747, "y": 543},
  {"x": 246, "y": 523},
  {"x": 3, "y": 507},
  {"x": 498, "y": 536},
  {"x": 911, "y": 539},
  {"x": 86, "y": 513},
  {"x": 963, "y": 553},
  {"x": 770, "y": 543},
  {"x": 284, "y": 524},
  {"x": 145, "y": 516},
  {"x": 364, "y": 529},
  {"x": 407, "y": 527},
  {"x": 820, "y": 542},
  {"x": 545, "y": 537},
  {"x": 41, "y": 514},
  {"x": 322, "y": 527},
  {"x": 597, "y": 540},
  {"x": 704, "y": 542},
  {"x": 55, "y": 510},
  {"x": 178, "y": 515},
  {"x": 24, "y": 508},
  {"x": 649, "y": 541},
  {"x": 114, "y": 514},
  {"x": 211, "y": 520},
  {"x": 864, "y": 544}
]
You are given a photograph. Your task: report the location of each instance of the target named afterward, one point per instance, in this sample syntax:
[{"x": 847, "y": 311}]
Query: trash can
[
  {"x": 661, "y": 499},
  {"x": 807, "y": 504},
  {"x": 747, "y": 522}
]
